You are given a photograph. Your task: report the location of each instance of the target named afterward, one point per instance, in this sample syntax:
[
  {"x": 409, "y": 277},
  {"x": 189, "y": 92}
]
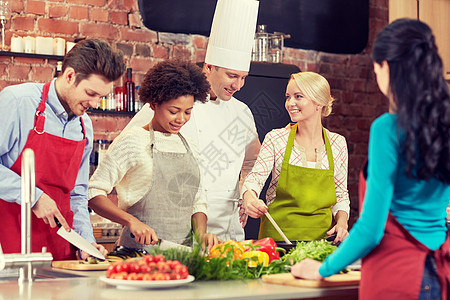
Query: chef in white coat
[{"x": 223, "y": 128}]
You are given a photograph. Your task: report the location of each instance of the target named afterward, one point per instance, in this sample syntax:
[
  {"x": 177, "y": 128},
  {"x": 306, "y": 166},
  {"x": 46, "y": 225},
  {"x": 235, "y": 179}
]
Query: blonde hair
[{"x": 315, "y": 87}]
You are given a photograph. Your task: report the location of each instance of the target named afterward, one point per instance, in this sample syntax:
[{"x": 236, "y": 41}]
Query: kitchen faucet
[{"x": 26, "y": 260}]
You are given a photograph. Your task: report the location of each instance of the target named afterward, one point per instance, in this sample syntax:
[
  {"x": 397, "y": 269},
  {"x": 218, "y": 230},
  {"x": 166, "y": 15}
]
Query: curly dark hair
[
  {"x": 171, "y": 79},
  {"x": 421, "y": 95}
]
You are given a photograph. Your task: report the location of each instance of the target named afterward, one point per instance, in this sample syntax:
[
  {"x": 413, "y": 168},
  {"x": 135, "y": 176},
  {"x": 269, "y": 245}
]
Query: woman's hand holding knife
[{"x": 142, "y": 233}]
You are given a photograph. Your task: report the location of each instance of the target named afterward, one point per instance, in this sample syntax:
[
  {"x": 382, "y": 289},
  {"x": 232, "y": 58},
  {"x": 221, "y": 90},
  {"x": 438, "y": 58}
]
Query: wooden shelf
[
  {"x": 31, "y": 55},
  {"x": 111, "y": 112}
]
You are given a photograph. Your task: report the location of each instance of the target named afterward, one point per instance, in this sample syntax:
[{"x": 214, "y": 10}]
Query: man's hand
[
  {"x": 85, "y": 255},
  {"x": 243, "y": 217},
  {"x": 47, "y": 210}
]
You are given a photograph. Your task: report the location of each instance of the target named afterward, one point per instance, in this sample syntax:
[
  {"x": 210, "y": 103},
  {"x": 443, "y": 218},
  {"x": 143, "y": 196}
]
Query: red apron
[
  {"x": 57, "y": 161},
  {"x": 394, "y": 269}
]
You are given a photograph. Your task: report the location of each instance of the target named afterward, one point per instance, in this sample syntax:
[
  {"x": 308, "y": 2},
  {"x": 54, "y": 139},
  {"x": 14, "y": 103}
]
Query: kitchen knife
[
  {"x": 164, "y": 245},
  {"x": 78, "y": 241}
]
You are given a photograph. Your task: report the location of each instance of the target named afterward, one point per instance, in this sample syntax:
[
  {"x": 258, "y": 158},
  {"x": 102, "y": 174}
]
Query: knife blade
[
  {"x": 165, "y": 244},
  {"x": 78, "y": 241}
]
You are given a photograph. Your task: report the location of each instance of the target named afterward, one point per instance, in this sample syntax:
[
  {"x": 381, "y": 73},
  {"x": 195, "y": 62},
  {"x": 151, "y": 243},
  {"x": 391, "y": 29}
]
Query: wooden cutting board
[
  {"x": 80, "y": 265},
  {"x": 350, "y": 278}
]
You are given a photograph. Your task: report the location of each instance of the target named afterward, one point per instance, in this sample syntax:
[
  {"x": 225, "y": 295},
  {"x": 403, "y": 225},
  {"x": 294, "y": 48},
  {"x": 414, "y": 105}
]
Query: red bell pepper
[{"x": 269, "y": 246}]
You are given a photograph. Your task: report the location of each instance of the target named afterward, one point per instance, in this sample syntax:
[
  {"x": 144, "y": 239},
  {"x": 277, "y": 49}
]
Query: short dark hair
[
  {"x": 93, "y": 56},
  {"x": 171, "y": 79}
]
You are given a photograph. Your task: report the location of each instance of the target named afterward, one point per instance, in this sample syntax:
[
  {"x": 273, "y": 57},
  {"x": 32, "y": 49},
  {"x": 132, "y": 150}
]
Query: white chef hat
[{"x": 232, "y": 34}]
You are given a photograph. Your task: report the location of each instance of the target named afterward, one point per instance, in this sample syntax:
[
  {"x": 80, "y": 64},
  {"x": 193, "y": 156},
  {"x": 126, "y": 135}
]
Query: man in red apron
[{"x": 51, "y": 121}]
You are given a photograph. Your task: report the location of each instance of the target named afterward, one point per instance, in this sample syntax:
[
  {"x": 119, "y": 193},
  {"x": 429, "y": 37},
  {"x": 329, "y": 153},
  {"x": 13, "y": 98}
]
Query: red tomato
[
  {"x": 147, "y": 277},
  {"x": 121, "y": 275},
  {"x": 162, "y": 266},
  {"x": 146, "y": 269},
  {"x": 175, "y": 276},
  {"x": 158, "y": 258},
  {"x": 140, "y": 276},
  {"x": 159, "y": 276},
  {"x": 122, "y": 267},
  {"x": 134, "y": 268},
  {"x": 148, "y": 258},
  {"x": 175, "y": 264},
  {"x": 111, "y": 270},
  {"x": 132, "y": 276}
]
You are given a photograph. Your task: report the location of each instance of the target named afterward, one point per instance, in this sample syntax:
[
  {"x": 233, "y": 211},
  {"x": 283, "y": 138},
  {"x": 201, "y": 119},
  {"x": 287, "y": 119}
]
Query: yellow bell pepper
[
  {"x": 221, "y": 250},
  {"x": 261, "y": 258}
]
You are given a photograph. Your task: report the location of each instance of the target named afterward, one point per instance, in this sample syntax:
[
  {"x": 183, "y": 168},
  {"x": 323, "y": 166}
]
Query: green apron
[{"x": 304, "y": 197}]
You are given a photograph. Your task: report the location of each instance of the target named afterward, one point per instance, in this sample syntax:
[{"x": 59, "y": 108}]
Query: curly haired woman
[{"x": 154, "y": 168}]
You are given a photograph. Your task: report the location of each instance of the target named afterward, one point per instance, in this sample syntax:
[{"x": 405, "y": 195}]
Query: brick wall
[{"x": 358, "y": 101}]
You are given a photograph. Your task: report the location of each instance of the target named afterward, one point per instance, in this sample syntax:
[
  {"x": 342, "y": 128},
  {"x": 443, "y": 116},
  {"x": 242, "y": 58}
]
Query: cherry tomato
[
  {"x": 158, "y": 258},
  {"x": 148, "y": 258},
  {"x": 140, "y": 276},
  {"x": 147, "y": 277},
  {"x": 134, "y": 268},
  {"x": 121, "y": 275},
  {"x": 174, "y": 264},
  {"x": 162, "y": 266},
  {"x": 175, "y": 276},
  {"x": 159, "y": 276},
  {"x": 146, "y": 269},
  {"x": 122, "y": 267}
]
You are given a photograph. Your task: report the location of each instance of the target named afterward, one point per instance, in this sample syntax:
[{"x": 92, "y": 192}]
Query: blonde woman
[{"x": 309, "y": 166}]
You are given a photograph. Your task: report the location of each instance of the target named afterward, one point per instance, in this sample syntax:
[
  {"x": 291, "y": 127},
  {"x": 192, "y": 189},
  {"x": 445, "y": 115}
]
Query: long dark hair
[{"x": 421, "y": 96}]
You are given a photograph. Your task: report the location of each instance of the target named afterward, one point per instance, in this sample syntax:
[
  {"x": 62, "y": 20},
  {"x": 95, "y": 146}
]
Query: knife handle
[{"x": 57, "y": 222}]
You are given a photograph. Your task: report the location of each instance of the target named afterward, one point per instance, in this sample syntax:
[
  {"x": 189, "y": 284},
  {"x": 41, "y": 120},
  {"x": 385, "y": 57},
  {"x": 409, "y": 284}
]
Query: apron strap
[
  {"x": 82, "y": 127},
  {"x": 39, "y": 118},
  {"x": 290, "y": 144},
  {"x": 328, "y": 147}
]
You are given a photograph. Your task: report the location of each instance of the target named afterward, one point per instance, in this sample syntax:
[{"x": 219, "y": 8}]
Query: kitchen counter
[{"x": 90, "y": 287}]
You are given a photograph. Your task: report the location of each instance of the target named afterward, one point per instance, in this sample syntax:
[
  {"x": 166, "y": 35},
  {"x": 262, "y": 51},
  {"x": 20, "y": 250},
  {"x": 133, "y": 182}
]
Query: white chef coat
[{"x": 225, "y": 134}]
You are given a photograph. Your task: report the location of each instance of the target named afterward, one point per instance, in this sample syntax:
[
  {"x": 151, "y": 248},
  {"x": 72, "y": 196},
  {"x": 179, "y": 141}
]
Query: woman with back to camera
[
  {"x": 153, "y": 168},
  {"x": 308, "y": 165},
  {"x": 401, "y": 233}
]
